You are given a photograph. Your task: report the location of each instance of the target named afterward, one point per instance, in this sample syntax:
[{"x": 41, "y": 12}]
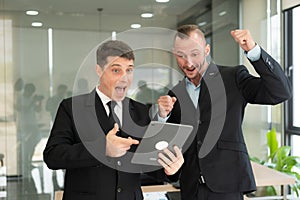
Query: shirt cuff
[
  {"x": 254, "y": 54},
  {"x": 160, "y": 119}
]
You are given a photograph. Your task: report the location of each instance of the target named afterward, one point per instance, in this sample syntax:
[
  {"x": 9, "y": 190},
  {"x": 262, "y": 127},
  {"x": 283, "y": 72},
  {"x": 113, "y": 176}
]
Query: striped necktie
[{"x": 113, "y": 118}]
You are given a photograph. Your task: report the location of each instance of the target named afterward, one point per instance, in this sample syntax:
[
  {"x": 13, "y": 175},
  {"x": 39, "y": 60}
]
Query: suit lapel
[
  {"x": 207, "y": 81},
  {"x": 213, "y": 106},
  {"x": 102, "y": 117}
]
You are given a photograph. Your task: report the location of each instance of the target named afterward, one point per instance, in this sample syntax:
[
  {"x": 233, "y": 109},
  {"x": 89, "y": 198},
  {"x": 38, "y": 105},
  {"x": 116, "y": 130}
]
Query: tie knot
[{"x": 111, "y": 105}]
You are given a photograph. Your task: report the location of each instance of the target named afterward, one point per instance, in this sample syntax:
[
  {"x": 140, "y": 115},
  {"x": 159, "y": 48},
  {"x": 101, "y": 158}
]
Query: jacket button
[
  {"x": 119, "y": 189},
  {"x": 119, "y": 163},
  {"x": 269, "y": 63}
]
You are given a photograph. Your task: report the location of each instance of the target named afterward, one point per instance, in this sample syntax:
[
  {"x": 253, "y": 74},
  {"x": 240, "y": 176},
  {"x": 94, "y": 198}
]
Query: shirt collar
[
  {"x": 188, "y": 82},
  {"x": 105, "y": 99}
]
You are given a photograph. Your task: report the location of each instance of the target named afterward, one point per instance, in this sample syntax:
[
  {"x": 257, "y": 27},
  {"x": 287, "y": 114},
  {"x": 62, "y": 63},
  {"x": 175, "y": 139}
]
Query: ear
[
  {"x": 207, "y": 50},
  {"x": 99, "y": 70}
]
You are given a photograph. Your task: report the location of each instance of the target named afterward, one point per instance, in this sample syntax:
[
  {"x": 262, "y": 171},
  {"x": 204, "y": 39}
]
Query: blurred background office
[{"x": 44, "y": 43}]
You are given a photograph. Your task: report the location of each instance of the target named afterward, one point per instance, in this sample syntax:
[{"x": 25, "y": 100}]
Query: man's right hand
[
  {"x": 117, "y": 146},
  {"x": 165, "y": 105}
]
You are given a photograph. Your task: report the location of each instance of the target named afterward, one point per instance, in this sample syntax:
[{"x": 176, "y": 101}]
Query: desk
[
  {"x": 265, "y": 176},
  {"x": 159, "y": 188}
]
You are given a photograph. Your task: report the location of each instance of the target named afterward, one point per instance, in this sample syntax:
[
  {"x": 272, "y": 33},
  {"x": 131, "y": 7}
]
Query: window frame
[{"x": 290, "y": 129}]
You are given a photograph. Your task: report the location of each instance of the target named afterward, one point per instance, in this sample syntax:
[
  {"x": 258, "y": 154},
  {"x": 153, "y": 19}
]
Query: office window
[
  {"x": 296, "y": 69},
  {"x": 292, "y": 63},
  {"x": 296, "y": 148}
]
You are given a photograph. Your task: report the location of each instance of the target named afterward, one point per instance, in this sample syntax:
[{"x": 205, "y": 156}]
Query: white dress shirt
[{"x": 105, "y": 99}]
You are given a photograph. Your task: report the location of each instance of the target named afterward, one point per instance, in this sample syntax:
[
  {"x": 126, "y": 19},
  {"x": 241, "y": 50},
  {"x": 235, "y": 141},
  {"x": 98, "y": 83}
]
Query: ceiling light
[
  {"x": 202, "y": 23},
  {"x": 146, "y": 15},
  {"x": 135, "y": 26},
  {"x": 37, "y": 24},
  {"x": 32, "y": 12},
  {"x": 222, "y": 13},
  {"x": 77, "y": 14},
  {"x": 113, "y": 35},
  {"x": 162, "y": 1}
]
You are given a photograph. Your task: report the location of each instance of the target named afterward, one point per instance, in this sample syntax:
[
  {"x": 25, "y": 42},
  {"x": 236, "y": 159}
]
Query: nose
[
  {"x": 188, "y": 62},
  {"x": 124, "y": 77}
]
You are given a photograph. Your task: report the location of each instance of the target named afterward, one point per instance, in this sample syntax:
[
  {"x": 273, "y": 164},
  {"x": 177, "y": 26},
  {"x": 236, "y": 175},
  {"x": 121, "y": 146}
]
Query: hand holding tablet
[{"x": 170, "y": 161}]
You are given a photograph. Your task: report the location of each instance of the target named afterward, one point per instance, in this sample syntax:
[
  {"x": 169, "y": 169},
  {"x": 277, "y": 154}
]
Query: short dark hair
[
  {"x": 185, "y": 30},
  {"x": 113, "y": 48}
]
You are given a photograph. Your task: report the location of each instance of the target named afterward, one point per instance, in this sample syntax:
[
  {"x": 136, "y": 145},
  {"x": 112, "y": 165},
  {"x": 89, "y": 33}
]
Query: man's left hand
[
  {"x": 244, "y": 38},
  {"x": 170, "y": 161}
]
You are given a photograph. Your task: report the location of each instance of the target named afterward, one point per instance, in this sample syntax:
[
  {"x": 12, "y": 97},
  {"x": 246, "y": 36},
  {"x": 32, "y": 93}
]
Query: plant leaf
[
  {"x": 272, "y": 142},
  {"x": 295, "y": 189},
  {"x": 289, "y": 163},
  {"x": 257, "y": 160},
  {"x": 271, "y": 191},
  {"x": 280, "y": 155}
]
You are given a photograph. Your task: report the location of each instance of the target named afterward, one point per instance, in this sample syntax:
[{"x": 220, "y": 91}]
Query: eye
[
  {"x": 194, "y": 54},
  {"x": 115, "y": 70},
  {"x": 180, "y": 55},
  {"x": 129, "y": 70}
]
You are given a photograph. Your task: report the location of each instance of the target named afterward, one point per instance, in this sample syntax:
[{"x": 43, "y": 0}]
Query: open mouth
[
  {"x": 190, "y": 69},
  {"x": 120, "y": 90}
]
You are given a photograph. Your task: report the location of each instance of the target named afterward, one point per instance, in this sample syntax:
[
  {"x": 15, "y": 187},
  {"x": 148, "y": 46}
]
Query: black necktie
[{"x": 113, "y": 118}]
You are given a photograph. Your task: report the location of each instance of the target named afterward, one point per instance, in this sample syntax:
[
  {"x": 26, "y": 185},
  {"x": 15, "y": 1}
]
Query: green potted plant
[{"x": 280, "y": 159}]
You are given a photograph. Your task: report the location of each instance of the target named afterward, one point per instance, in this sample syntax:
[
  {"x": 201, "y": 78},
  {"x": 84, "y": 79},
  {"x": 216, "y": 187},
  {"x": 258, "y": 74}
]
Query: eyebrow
[
  {"x": 193, "y": 50},
  {"x": 118, "y": 65},
  {"x": 198, "y": 50},
  {"x": 115, "y": 65}
]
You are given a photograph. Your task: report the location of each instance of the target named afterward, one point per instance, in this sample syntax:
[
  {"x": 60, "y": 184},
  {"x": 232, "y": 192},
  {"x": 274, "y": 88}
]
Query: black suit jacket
[
  {"x": 77, "y": 145},
  {"x": 217, "y": 149}
]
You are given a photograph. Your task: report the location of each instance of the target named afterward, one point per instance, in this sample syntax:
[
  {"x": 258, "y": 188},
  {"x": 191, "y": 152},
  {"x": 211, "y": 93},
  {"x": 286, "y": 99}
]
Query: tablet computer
[{"x": 158, "y": 136}]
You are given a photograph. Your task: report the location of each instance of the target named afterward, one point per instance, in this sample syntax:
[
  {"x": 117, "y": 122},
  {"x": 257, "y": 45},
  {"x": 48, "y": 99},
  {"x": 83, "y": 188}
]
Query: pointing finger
[{"x": 133, "y": 141}]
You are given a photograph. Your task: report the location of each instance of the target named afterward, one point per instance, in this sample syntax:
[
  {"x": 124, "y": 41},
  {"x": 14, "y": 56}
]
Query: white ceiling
[{"x": 117, "y": 15}]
